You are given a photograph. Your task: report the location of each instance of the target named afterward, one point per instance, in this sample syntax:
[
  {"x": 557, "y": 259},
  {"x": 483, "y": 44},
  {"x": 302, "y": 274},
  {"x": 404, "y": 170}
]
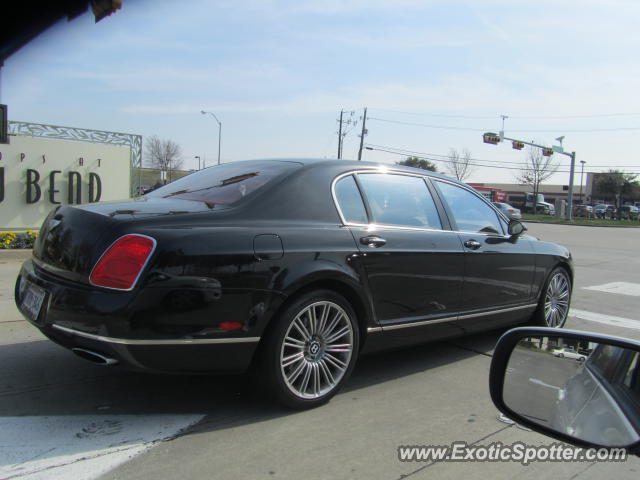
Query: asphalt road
[{"x": 62, "y": 417}]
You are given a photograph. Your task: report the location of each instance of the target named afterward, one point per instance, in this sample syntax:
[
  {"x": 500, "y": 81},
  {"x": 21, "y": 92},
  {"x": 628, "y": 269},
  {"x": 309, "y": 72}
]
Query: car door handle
[
  {"x": 373, "y": 241},
  {"x": 472, "y": 244}
]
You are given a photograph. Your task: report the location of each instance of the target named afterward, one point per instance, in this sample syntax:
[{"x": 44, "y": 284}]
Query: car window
[
  {"x": 400, "y": 200},
  {"x": 469, "y": 211},
  {"x": 350, "y": 201},
  {"x": 605, "y": 360},
  {"x": 224, "y": 184}
]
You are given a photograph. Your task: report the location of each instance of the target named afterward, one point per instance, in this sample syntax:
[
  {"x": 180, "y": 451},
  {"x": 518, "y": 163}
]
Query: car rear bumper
[{"x": 135, "y": 332}]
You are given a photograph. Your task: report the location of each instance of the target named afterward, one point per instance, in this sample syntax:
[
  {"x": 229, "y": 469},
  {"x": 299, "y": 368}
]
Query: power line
[
  {"x": 524, "y": 117},
  {"x": 443, "y": 127},
  {"x": 440, "y": 115},
  {"x": 508, "y": 162},
  {"x": 443, "y": 158},
  {"x": 555, "y": 131}
]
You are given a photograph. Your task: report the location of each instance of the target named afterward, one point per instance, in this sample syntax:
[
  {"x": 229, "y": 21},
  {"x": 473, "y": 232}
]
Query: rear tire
[
  {"x": 311, "y": 350},
  {"x": 555, "y": 299}
]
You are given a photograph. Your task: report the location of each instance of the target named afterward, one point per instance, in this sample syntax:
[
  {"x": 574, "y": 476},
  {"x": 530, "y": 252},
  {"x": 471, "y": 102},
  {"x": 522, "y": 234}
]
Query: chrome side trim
[
  {"x": 374, "y": 329},
  {"x": 457, "y": 318},
  {"x": 124, "y": 341},
  {"x": 494, "y": 312},
  {"x": 420, "y": 324}
]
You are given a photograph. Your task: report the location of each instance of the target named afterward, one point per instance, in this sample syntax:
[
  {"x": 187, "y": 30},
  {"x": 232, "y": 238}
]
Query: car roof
[{"x": 355, "y": 165}]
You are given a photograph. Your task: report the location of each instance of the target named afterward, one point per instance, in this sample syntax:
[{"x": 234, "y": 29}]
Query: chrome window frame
[{"x": 425, "y": 178}]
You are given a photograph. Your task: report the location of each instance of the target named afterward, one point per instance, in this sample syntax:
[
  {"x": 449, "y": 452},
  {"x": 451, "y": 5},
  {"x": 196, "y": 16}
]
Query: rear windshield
[{"x": 225, "y": 184}]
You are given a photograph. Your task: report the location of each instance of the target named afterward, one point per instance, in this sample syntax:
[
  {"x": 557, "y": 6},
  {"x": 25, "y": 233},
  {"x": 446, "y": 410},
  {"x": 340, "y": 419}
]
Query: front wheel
[
  {"x": 553, "y": 308},
  {"x": 312, "y": 350}
]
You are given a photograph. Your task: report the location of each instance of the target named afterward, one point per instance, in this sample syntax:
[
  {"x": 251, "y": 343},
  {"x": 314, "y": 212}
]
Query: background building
[{"x": 46, "y": 165}]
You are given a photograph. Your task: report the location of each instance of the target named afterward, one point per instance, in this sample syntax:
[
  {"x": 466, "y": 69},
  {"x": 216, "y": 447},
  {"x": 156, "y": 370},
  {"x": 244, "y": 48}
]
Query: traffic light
[
  {"x": 547, "y": 152},
  {"x": 491, "y": 138},
  {"x": 517, "y": 145}
]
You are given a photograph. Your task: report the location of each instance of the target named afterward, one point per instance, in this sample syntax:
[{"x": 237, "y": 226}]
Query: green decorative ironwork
[{"x": 134, "y": 142}]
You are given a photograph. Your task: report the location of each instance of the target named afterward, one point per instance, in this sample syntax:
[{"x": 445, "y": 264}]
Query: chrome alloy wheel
[
  {"x": 316, "y": 350},
  {"x": 556, "y": 301}
]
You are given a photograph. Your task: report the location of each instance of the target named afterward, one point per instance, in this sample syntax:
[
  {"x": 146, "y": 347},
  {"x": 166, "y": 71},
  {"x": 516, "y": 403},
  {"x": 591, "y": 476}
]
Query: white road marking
[
  {"x": 540, "y": 382},
  {"x": 605, "y": 319},
  {"x": 79, "y": 447},
  {"x": 621, "y": 288}
]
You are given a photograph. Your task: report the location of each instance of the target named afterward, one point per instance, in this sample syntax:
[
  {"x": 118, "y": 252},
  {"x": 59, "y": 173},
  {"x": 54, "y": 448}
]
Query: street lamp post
[
  {"x": 198, "y": 161},
  {"x": 581, "y": 173},
  {"x": 219, "y": 130}
]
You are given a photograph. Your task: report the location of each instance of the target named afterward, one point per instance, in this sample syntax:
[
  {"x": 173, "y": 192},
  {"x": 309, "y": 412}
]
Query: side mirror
[
  {"x": 581, "y": 388},
  {"x": 516, "y": 228}
]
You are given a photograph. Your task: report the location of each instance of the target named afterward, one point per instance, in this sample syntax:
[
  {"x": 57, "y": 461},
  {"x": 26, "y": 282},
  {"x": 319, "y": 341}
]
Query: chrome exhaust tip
[{"x": 94, "y": 357}]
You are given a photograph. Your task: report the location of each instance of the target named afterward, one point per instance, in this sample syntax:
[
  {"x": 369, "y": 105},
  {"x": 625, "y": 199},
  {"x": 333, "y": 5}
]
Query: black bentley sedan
[{"x": 292, "y": 267}]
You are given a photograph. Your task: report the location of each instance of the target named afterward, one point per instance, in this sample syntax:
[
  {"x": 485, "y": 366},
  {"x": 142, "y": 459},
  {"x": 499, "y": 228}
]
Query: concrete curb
[{"x": 15, "y": 254}]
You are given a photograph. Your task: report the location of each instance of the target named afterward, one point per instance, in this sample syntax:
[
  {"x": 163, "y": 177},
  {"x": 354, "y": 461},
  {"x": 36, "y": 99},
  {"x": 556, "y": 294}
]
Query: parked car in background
[
  {"x": 583, "y": 211},
  {"x": 568, "y": 352},
  {"x": 508, "y": 210},
  {"x": 604, "y": 211},
  {"x": 542, "y": 206},
  {"x": 629, "y": 212}
]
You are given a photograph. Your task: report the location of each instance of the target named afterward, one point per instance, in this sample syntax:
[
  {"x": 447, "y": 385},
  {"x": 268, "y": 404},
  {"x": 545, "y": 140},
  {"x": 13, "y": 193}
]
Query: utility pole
[
  {"x": 364, "y": 131},
  {"x": 569, "y": 215},
  {"x": 340, "y": 136},
  {"x": 581, "y": 173}
]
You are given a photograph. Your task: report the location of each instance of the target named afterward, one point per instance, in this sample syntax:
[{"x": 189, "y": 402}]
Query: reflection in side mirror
[
  {"x": 516, "y": 228},
  {"x": 571, "y": 385}
]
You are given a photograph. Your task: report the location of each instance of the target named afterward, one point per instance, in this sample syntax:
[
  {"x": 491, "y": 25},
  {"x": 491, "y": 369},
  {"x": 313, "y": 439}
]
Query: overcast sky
[{"x": 434, "y": 74}]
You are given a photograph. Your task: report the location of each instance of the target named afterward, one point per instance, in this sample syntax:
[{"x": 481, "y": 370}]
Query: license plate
[{"x": 32, "y": 299}]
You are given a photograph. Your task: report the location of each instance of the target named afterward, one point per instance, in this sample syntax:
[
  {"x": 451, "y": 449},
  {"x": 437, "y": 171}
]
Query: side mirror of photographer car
[{"x": 581, "y": 388}]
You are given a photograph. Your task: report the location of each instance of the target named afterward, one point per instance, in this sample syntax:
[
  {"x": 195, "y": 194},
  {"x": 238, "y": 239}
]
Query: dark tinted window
[
  {"x": 399, "y": 200},
  {"x": 470, "y": 212},
  {"x": 350, "y": 201},
  {"x": 605, "y": 360},
  {"x": 225, "y": 184}
]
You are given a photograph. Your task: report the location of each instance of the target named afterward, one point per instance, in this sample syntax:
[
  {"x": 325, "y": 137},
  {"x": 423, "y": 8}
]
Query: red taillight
[
  {"x": 121, "y": 264},
  {"x": 230, "y": 325},
  {"x": 510, "y": 210}
]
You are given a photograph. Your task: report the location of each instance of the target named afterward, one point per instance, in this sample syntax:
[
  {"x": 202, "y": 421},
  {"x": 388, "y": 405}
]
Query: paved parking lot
[{"x": 62, "y": 417}]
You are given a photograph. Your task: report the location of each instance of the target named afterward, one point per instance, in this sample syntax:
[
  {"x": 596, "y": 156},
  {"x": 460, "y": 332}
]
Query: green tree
[
  {"x": 418, "y": 163},
  {"x": 617, "y": 184}
]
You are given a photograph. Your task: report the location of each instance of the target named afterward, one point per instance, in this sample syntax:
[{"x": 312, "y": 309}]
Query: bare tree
[
  {"x": 165, "y": 155},
  {"x": 458, "y": 165},
  {"x": 536, "y": 169}
]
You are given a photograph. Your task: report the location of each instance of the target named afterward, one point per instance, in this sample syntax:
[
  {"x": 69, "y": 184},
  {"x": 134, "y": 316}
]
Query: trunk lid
[{"x": 72, "y": 238}]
